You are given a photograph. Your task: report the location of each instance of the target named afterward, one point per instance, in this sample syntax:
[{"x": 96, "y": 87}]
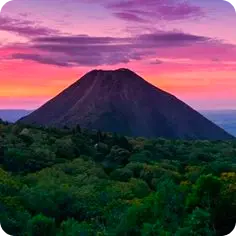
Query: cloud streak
[
  {"x": 24, "y": 27},
  {"x": 155, "y": 10},
  {"x": 149, "y": 10},
  {"x": 71, "y": 51},
  {"x": 40, "y": 59},
  {"x": 127, "y": 16}
]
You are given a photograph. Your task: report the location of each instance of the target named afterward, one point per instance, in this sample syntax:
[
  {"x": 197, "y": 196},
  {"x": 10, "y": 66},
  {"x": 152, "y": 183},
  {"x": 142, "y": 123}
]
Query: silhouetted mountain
[
  {"x": 13, "y": 115},
  {"x": 121, "y": 101}
]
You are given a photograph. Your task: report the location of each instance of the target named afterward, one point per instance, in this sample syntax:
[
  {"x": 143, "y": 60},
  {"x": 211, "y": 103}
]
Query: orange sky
[
  {"x": 192, "y": 55},
  {"x": 29, "y": 85}
]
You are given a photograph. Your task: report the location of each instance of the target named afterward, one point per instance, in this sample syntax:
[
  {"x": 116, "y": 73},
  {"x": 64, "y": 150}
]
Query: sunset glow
[{"x": 187, "y": 49}]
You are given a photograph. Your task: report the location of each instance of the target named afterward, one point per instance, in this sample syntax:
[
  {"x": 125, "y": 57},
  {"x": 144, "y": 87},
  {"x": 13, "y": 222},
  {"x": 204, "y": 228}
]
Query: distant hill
[
  {"x": 123, "y": 102},
  {"x": 224, "y": 118},
  {"x": 13, "y": 115}
]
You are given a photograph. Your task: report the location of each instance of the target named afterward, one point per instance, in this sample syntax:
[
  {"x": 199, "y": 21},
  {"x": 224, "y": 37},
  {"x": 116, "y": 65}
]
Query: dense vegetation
[{"x": 75, "y": 182}]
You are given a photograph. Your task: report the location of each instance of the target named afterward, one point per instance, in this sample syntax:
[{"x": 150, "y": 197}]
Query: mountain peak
[
  {"x": 125, "y": 70},
  {"x": 109, "y": 71},
  {"x": 117, "y": 72},
  {"x": 117, "y": 78}
]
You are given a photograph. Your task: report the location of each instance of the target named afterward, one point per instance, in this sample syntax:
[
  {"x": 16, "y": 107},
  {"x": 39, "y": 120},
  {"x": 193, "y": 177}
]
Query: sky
[{"x": 185, "y": 47}]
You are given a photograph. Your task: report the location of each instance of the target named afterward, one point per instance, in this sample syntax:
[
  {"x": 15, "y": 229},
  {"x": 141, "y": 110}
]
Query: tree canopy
[{"x": 77, "y": 182}]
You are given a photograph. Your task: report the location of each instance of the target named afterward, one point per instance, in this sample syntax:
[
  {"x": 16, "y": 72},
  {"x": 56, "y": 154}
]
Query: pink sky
[{"x": 188, "y": 49}]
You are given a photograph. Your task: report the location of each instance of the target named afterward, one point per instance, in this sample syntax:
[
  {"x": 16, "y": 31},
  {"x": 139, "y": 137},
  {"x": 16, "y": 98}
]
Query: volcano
[{"x": 121, "y": 101}]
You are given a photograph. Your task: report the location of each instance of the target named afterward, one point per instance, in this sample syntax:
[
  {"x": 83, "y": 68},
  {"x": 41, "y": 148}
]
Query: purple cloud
[
  {"x": 151, "y": 10},
  {"x": 79, "y": 39},
  {"x": 24, "y": 27},
  {"x": 129, "y": 17},
  {"x": 170, "y": 38},
  {"x": 73, "y": 60},
  {"x": 84, "y": 50},
  {"x": 159, "y": 38},
  {"x": 41, "y": 59},
  {"x": 157, "y": 9}
]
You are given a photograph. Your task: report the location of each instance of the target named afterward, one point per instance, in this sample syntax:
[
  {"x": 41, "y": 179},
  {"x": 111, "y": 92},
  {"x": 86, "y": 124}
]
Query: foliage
[
  {"x": 41, "y": 225},
  {"x": 72, "y": 227},
  {"x": 69, "y": 182}
]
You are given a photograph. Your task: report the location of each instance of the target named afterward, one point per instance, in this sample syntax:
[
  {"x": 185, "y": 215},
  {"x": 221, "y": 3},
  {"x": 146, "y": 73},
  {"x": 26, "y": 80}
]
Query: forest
[{"x": 69, "y": 182}]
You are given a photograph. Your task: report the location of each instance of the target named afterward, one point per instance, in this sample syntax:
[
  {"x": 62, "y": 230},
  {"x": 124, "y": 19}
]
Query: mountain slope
[{"x": 121, "y": 101}]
